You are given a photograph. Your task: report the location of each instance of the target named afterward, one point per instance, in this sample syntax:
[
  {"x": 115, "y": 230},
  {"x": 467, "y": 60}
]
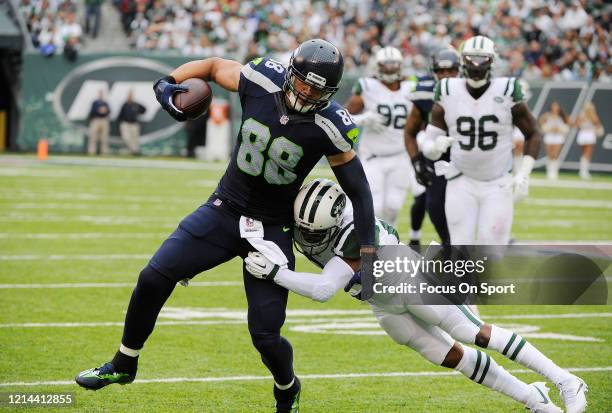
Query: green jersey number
[
  {"x": 283, "y": 155},
  {"x": 466, "y": 126},
  {"x": 396, "y": 114}
]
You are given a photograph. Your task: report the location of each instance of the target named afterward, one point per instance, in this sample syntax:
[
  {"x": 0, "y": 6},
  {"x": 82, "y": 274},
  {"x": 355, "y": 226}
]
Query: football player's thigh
[
  {"x": 461, "y": 208},
  {"x": 267, "y": 301},
  {"x": 202, "y": 241},
  {"x": 376, "y": 178},
  {"x": 495, "y": 218},
  {"x": 429, "y": 341},
  {"x": 400, "y": 179},
  {"x": 457, "y": 320}
]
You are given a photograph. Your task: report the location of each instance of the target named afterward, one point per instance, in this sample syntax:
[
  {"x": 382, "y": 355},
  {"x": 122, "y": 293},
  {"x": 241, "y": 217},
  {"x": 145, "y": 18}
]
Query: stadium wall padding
[{"x": 56, "y": 96}]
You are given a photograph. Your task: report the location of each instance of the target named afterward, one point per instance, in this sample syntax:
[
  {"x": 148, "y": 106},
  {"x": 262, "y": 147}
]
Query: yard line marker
[
  {"x": 30, "y": 257},
  {"x": 239, "y": 317},
  {"x": 302, "y": 376},
  {"x": 81, "y": 235},
  {"x": 113, "y": 285}
]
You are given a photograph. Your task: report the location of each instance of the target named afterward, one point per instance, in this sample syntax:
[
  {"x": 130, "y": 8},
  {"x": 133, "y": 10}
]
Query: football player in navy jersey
[
  {"x": 288, "y": 123},
  {"x": 445, "y": 63}
]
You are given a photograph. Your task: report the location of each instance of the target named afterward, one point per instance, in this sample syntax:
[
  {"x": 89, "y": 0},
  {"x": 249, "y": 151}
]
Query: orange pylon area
[{"x": 43, "y": 149}]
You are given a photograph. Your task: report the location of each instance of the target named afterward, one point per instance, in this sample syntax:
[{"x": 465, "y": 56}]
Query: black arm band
[{"x": 353, "y": 181}]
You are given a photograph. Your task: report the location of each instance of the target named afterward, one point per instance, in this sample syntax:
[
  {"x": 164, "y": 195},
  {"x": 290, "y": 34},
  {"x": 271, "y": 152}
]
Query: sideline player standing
[
  {"x": 478, "y": 113},
  {"x": 288, "y": 123},
  {"x": 444, "y": 63},
  {"x": 382, "y": 104}
]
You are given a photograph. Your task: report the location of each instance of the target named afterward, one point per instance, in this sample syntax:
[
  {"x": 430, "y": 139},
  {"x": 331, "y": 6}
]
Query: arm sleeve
[
  {"x": 336, "y": 274},
  {"x": 353, "y": 181}
]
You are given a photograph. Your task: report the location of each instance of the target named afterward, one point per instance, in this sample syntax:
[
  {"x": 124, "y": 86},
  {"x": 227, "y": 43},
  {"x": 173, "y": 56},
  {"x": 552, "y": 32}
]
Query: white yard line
[
  {"x": 96, "y": 257},
  {"x": 571, "y": 202},
  {"x": 574, "y": 184},
  {"x": 239, "y": 317},
  {"x": 112, "y": 285},
  {"x": 302, "y": 376},
  {"x": 82, "y": 235}
]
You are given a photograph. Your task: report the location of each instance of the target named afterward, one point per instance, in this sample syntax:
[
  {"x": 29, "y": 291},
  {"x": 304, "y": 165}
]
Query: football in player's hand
[{"x": 195, "y": 102}]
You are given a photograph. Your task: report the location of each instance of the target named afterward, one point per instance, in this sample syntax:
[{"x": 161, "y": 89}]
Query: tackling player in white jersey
[
  {"x": 475, "y": 116},
  {"x": 380, "y": 106},
  {"x": 324, "y": 232}
]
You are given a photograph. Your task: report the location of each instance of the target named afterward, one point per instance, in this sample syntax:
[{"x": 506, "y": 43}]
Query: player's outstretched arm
[
  {"x": 335, "y": 275},
  {"x": 224, "y": 72}
]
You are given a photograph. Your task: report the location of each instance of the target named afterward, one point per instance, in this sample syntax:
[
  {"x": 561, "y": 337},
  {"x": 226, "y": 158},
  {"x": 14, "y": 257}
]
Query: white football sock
[
  {"x": 415, "y": 234},
  {"x": 128, "y": 351},
  {"x": 482, "y": 369},
  {"x": 518, "y": 349}
]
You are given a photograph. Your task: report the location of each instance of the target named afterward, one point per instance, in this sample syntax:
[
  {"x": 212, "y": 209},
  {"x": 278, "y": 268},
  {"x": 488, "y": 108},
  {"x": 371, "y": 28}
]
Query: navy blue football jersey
[
  {"x": 277, "y": 148},
  {"x": 423, "y": 95}
]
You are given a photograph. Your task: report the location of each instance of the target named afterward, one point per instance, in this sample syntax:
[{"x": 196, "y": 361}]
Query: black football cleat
[
  {"x": 288, "y": 401},
  {"x": 96, "y": 378}
]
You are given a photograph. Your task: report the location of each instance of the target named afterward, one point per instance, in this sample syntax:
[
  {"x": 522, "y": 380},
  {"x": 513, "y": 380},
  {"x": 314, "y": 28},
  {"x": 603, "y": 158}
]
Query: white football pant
[
  {"x": 479, "y": 212},
  {"x": 390, "y": 178}
]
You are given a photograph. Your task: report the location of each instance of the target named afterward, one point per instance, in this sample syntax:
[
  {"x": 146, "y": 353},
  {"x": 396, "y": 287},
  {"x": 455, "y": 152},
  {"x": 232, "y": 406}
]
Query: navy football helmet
[{"x": 314, "y": 74}]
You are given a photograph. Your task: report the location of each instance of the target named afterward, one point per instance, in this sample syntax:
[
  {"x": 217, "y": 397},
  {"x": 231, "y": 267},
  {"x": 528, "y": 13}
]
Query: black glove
[
  {"x": 423, "y": 170},
  {"x": 354, "y": 285},
  {"x": 164, "y": 89}
]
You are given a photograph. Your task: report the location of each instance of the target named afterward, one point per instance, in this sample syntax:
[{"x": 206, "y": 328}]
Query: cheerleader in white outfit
[
  {"x": 589, "y": 127},
  {"x": 554, "y": 124}
]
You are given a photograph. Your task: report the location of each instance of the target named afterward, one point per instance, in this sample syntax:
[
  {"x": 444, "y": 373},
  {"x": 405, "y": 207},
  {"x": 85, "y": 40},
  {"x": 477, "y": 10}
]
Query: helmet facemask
[
  {"x": 318, "y": 97},
  {"x": 390, "y": 71},
  {"x": 312, "y": 242},
  {"x": 476, "y": 69}
]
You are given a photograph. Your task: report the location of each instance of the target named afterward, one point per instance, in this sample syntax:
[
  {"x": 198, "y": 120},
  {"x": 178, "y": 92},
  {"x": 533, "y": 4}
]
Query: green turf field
[{"x": 73, "y": 239}]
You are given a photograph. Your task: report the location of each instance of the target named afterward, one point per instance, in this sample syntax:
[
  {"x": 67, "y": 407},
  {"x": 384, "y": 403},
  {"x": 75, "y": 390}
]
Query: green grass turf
[{"x": 129, "y": 211}]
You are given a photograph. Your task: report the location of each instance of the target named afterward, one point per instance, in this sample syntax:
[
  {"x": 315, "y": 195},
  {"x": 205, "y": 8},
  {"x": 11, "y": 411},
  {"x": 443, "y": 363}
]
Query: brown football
[{"x": 196, "y": 100}]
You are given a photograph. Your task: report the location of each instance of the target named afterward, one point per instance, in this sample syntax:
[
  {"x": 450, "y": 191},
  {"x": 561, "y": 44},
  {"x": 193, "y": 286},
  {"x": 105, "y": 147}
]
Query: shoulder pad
[
  {"x": 265, "y": 73},
  {"x": 339, "y": 126}
]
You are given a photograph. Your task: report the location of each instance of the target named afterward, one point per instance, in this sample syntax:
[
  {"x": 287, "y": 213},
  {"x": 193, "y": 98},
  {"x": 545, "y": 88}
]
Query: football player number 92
[{"x": 283, "y": 155}]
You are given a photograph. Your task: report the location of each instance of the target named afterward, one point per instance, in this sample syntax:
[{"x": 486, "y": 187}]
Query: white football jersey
[
  {"x": 482, "y": 127},
  {"x": 394, "y": 106}
]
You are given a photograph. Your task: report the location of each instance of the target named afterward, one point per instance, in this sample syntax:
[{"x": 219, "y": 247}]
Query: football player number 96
[{"x": 283, "y": 155}]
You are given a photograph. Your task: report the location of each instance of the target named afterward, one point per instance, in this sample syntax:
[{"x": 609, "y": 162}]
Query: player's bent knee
[
  {"x": 265, "y": 341},
  {"x": 483, "y": 336},
  {"x": 453, "y": 357},
  {"x": 150, "y": 278}
]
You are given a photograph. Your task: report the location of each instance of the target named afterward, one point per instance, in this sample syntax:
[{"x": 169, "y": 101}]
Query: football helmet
[
  {"x": 317, "y": 212},
  {"x": 445, "y": 59},
  {"x": 389, "y": 65},
  {"x": 477, "y": 57},
  {"x": 318, "y": 66}
]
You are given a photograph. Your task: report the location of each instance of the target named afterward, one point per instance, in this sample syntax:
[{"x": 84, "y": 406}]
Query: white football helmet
[
  {"x": 317, "y": 212},
  {"x": 477, "y": 57},
  {"x": 389, "y": 65}
]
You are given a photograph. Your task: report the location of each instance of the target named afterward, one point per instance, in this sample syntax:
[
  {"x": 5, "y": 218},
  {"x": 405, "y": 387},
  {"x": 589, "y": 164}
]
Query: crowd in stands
[{"x": 536, "y": 39}]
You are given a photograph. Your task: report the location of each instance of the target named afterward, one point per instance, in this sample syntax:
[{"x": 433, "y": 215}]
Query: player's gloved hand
[
  {"x": 520, "y": 182},
  {"x": 260, "y": 266},
  {"x": 164, "y": 89},
  {"x": 372, "y": 120},
  {"x": 354, "y": 285},
  {"x": 424, "y": 172},
  {"x": 442, "y": 143}
]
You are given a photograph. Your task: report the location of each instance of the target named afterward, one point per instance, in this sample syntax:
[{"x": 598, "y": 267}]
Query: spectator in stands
[
  {"x": 93, "y": 12},
  {"x": 550, "y": 35},
  {"x": 554, "y": 124},
  {"x": 589, "y": 128},
  {"x": 99, "y": 125},
  {"x": 129, "y": 126}
]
